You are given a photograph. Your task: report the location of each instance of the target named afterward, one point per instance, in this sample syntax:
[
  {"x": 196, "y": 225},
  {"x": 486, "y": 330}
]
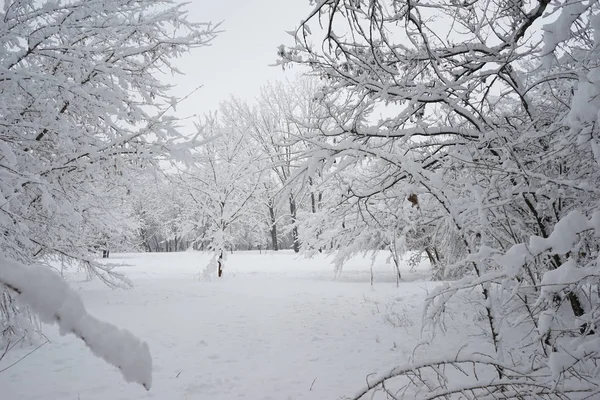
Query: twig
[
  {"x": 311, "y": 385},
  {"x": 5, "y": 350},
  {"x": 9, "y": 347},
  {"x": 16, "y": 343},
  {"x": 22, "y": 358}
]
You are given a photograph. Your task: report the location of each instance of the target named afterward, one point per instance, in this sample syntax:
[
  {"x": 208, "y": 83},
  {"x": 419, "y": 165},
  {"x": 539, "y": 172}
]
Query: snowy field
[{"x": 276, "y": 326}]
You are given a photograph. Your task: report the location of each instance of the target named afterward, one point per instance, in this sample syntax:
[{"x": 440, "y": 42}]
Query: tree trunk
[
  {"x": 397, "y": 266},
  {"x": 436, "y": 266},
  {"x": 294, "y": 226},
  {"x": 220, "y": 264},
  {"x": 275, "y": 245},
  {"x": 313, "y": 200}
]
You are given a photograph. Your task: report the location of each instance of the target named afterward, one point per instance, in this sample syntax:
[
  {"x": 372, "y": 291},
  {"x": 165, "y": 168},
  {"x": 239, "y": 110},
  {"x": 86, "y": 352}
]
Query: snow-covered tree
[
  {"x": 83, "y": 104},
  {"x": 275, "y": 123},
  {"x": 157, "y": 207},
  {"x": 495, "y": 138},
  {"x": 220, "y": 187}
]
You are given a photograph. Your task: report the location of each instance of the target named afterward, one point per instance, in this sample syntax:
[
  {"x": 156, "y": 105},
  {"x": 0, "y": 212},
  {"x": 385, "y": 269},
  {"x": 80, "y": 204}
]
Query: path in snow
[{"x": 275, "y": 327}]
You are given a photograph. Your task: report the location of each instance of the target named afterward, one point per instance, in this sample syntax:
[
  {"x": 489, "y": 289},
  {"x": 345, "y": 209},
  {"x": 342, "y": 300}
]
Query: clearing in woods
[{"x": 275, "y": 326}]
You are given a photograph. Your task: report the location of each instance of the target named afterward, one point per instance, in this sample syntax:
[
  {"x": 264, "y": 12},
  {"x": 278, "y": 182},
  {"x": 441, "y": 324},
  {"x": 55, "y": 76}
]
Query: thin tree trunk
[
  {"x": 313, "y": 201},
  {"x": 294, "y": 226},
  {"x": 275, "y": 244},
  {"x": 435, "y": 263},
  {"x": 397, "y": 266},
  {"x": 220, "y": 262}
]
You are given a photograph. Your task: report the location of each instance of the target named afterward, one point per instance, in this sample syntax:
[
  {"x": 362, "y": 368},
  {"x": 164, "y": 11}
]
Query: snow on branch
[
  {"x": 559, "y": 31},
  {"x": 436, "y": 379},
  {"x": 563, "y": 238},
  {"x": 49, "y": 296}
]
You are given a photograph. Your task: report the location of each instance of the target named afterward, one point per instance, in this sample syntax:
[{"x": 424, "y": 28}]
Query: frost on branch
[{"x": 55, "y": 302}]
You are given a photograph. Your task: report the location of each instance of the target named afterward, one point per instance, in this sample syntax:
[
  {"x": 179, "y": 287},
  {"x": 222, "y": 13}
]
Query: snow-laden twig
[
  {"x": 49, "y": 296},
  {"x": 430, "y": 379}
]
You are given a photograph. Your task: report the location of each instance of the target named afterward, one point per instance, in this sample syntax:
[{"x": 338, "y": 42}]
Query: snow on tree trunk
[{"x": 216, "y": 265}]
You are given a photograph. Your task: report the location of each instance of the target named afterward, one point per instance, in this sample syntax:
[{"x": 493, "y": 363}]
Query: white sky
[{"x": 238, "y": 60}]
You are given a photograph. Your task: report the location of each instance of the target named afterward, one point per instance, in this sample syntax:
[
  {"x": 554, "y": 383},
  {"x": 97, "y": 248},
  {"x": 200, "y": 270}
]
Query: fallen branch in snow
[{"x": 54, "y": 301}]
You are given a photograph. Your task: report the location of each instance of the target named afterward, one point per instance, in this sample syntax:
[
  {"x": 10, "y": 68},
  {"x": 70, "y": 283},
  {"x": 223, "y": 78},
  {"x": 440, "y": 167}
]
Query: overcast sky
[{"x": 238, "y": 60}]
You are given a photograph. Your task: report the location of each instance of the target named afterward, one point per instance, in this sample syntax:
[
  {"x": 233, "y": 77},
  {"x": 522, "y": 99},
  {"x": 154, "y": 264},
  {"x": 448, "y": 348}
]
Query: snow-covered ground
[{"x": 276, "y": 326}]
